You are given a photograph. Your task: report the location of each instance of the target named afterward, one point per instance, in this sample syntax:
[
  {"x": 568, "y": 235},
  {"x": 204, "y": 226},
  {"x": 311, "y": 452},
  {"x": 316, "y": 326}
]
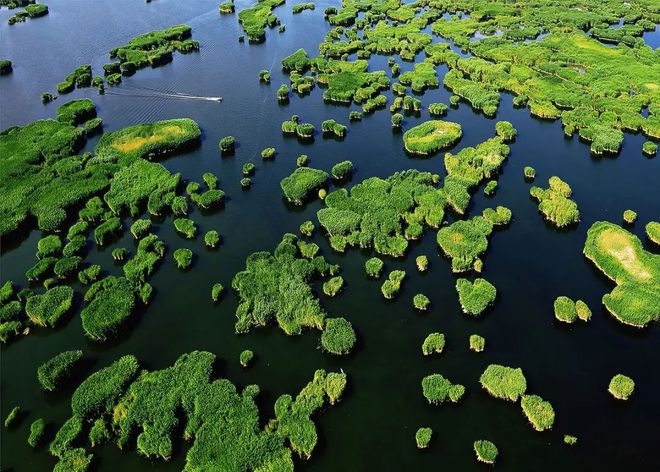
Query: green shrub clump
[
  {"x": 464, "y": 241},
  {"x": 421, "y": 302},
  {"x": 338, "y": 336},
  {"x": 307, "y": 228},
  {"x": 110, "y": 304},
  {"x": 246, "y": 357},
  {"x": 529, "y": 172},
  {"x": 629, "y": 216},
  {"x": 490, "y": 188},
  {"x": 477, "y": 343},
  {"x": 227, "y": 144},
  {"x": 423, "y": 437},
  {"x": 355, "y": 116},
  {"x": 422, "y": 263},
  {"x": 503, "y": 382},
  {"x": 374, "y": 267},
  {"x": 264, "y": 76},
  {"x": 140, "y": 228},
  {"x": 505, "y": 130},
  {"x": 437, "y": 109},
  {"x": 437, "y": 389},
  {"x": 555, "y": 202},
  {"x": 333, "y": 286},
  {"x": 652, "y": 230},
  {"x": 76, "y": 112},
  {"x": 183, "y": 258},
  {"x": 186, "y": 227},
  {"x": 342, "y": 170},
  {"x": 476, "y": 296},
  {"x": 486, "y": 451},
  {"x": 12, "y": 417},
  {"x": 570, "y": 440},
  {"x": 211, "y": 238},
  {"x": 431, "y": 136},
  {"x": 5, "y": 67},
  {"x": 621, "y": 387},
  {"x": 47, "y": 309},
  {"x": 333, "y": 128},
  {"x": 55, "y": 371},
  {"x": 649, "y": 148},
  {"x": 538, "y": 411},
  {"x": 302, "y": 183},
  {"x": 216, "y": 291},
  {"x": 397, "y": 120},
  {"x": 434, "y": 343},
  {"x": 392, "y": 285},
  {"x": 37, "y": 432}
]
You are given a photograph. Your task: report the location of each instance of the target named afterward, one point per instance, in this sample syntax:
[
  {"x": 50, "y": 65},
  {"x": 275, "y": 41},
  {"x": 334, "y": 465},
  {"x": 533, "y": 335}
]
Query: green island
[
  {"x": 431, "y": 137},
  {"x": 486, "y": 451},
  {"x": 555, "y": 202},
  {"x": 434, "y": 343},
  {"x": 503, "y": 382},
  {"x": 475, "y": 297},
  {"x": 621, "y": 387},
  {"x": 620, "y": 256},
  {"x": 33, "y": 10},
  {"x": 254, "y": 19},
  {"x": 437, "y": 389},
  {"x": 187, "y": 399},
  {"x": 55, "y": 371},
  {"x": 538, "y": 411},
  {"x": 423, "y": 437}
]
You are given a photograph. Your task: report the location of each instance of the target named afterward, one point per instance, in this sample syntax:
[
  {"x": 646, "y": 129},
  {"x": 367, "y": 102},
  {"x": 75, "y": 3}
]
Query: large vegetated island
[
  {"x": 620, "y": 256},
  {"x": 150, "y": 410}
]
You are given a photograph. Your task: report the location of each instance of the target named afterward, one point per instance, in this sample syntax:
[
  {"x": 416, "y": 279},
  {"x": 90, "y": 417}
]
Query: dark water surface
[{"x": 530, "y": 263}]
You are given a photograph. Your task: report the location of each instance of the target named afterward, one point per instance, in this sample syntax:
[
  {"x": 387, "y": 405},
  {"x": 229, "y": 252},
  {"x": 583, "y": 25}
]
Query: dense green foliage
[
  {"x": 486, "y": 451},
  {"x": 110, "y": 303},
  {"x": 332, "y": 286},
  {"x": 246, "y": 357},
  {"x": 621, "y": 387},
  {"x": 636, "y": 272},
  {"x": 255, "y": 19},
  {"x": 437, "y": 389},
  {"x": 342, "y": 170},
  {"x": 477, "y": 343},
  {"x": 538, "y": 411},
  {"x": 374, "y": 267},
  {"x": 431, "y": 136},
  {"x": 629, "y": 216},
  {"x": 37, "y": 432},
  {"x": 149, "y": 141},
  {"x": 276, "y": 287},
  {"x": 476, "y": 296},
  {"x": 434, "y": 343},
  {"x": 383, "y": 214},
  {"x": 55, "y": 371},
  {"x": 12, "y": 417},
  {"x": 504, "y": 382},
  {"x": 48, "y": 308},
  {"x": 652, "y": 229},
  {"x": 338, "y": 336},
  {"x": 183, "y": 258},
  {"x": 392, "y": 285},
  {"x": 302, "y": 183},
  {"x": 421, "y": 302},
  {"x": 423, "y": 437},
  {"x": 555, "y": 202},
  {"x": 147, "y": 410},
  {"x": 464, "y": 241}
]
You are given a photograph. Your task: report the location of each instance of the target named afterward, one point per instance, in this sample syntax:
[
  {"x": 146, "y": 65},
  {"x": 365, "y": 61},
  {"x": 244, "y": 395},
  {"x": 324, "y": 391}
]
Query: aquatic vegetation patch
[
  {"x": 254, "y": 19},
  {"x": 183, "y": 258},
  {"x": 472, "y": 165},
  {"x": 374, "y": 267},
  {"x": 505, "y": 383},
  {"x": 149, "y": 141},
  {"x": 302, "y": 183},
  {"x": 538, "y": 411},
  {"x": 48, "y": 308},
  {"x": 332, "y": 286},
  {"x": 477, "y": 343},
  {"x": 12, "y": 417},
  {"x": 555, "y": 202},
  {"x": 475, "y": 297},
  {"x": 277, "y": 287},
  {"x": 486, "y": 451},
  {"x": 145, "y": 412},
  {"x": 76, "y": 112},
  {"x": 434, "y": 343},
  {"x": 338, "y": 336},
  {"x": 383, "y": 213},
  {"x": 421, "y": 302},
  {"x": 464, "y": 241},
  {"x": 437, "y": 389},
  {"x": 423, "y": 437},
  {"x": 636, "y": 272},
  {"x": 431, "y": 136},
  {"x": 55, "y": 371},
  {"x": 621, "y": 387},
  {"x": 110, "y": 302},
  {"x": 392, "y": 285},
  {"x": 629, "y": 216},
  {"x": 246, "y": 357},
  {"x": 652, "y": 229},
  {"x": 37, "y": 432}
]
